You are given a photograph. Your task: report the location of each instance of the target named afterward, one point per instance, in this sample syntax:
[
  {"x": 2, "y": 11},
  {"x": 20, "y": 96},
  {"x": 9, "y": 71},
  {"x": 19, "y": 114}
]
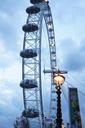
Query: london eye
[
  {"x": 31, "y": 83},
  {"x": 31, "y": 62}
]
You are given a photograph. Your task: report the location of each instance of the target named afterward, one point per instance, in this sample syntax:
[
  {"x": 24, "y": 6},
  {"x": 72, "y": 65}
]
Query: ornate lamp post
[{"x": 58, "y": 81}]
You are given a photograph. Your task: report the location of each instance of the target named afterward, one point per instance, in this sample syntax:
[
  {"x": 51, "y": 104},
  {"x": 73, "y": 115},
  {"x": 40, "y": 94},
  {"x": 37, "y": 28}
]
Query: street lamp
[{"x": 58, "y": 81}]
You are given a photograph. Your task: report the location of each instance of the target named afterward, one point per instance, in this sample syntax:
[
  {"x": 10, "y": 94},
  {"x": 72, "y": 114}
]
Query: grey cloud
[
  {"x": 72, "y": 56},
  {"x": 69, "y": 12},
  {"x": 82, "y": 46},
  {"x": 12, "y": 106}
]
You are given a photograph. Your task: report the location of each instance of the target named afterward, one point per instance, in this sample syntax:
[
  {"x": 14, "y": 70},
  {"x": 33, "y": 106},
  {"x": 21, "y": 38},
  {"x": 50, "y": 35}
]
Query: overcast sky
[{"x": 69, "y": 24}]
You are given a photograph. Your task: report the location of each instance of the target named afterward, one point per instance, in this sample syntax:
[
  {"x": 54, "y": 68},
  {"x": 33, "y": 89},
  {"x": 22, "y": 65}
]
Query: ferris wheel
[{"x": 31, "y": 63}]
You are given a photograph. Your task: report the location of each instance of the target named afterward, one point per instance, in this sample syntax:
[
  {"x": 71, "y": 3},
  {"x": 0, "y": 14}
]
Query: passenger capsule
[
  {"x": 54, "y": 99},
  {"x": 30, "y": 113},
  {"x": 28, "y": 84},
  {"x": 36, "y": 1},
  {"x": 28, "y": 53},
  {"x": 32, "y": 10},
  {"x": 53, "y": 108},
  {"x": 53, "y": 91},
  {"x": 51, "y": 37},
  {"x": 53, "y": 116},
  {"x": 30, "y": 28},
  {"x": 50, "y": 29},
  {"x": 48, "y": 14},
  {"x": 53, "y": 52},
  {"x": 49, "y": 22}
]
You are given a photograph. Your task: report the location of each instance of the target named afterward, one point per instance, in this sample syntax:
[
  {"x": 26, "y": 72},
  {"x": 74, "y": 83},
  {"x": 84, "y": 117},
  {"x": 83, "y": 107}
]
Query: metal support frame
[
  {"x": 52, "y": 50},
  {"x": 31, "y": 68}
]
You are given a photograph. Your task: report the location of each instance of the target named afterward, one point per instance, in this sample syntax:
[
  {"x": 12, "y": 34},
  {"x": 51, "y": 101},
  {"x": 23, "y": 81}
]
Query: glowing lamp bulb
[{"x": 59, "y": 79}]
